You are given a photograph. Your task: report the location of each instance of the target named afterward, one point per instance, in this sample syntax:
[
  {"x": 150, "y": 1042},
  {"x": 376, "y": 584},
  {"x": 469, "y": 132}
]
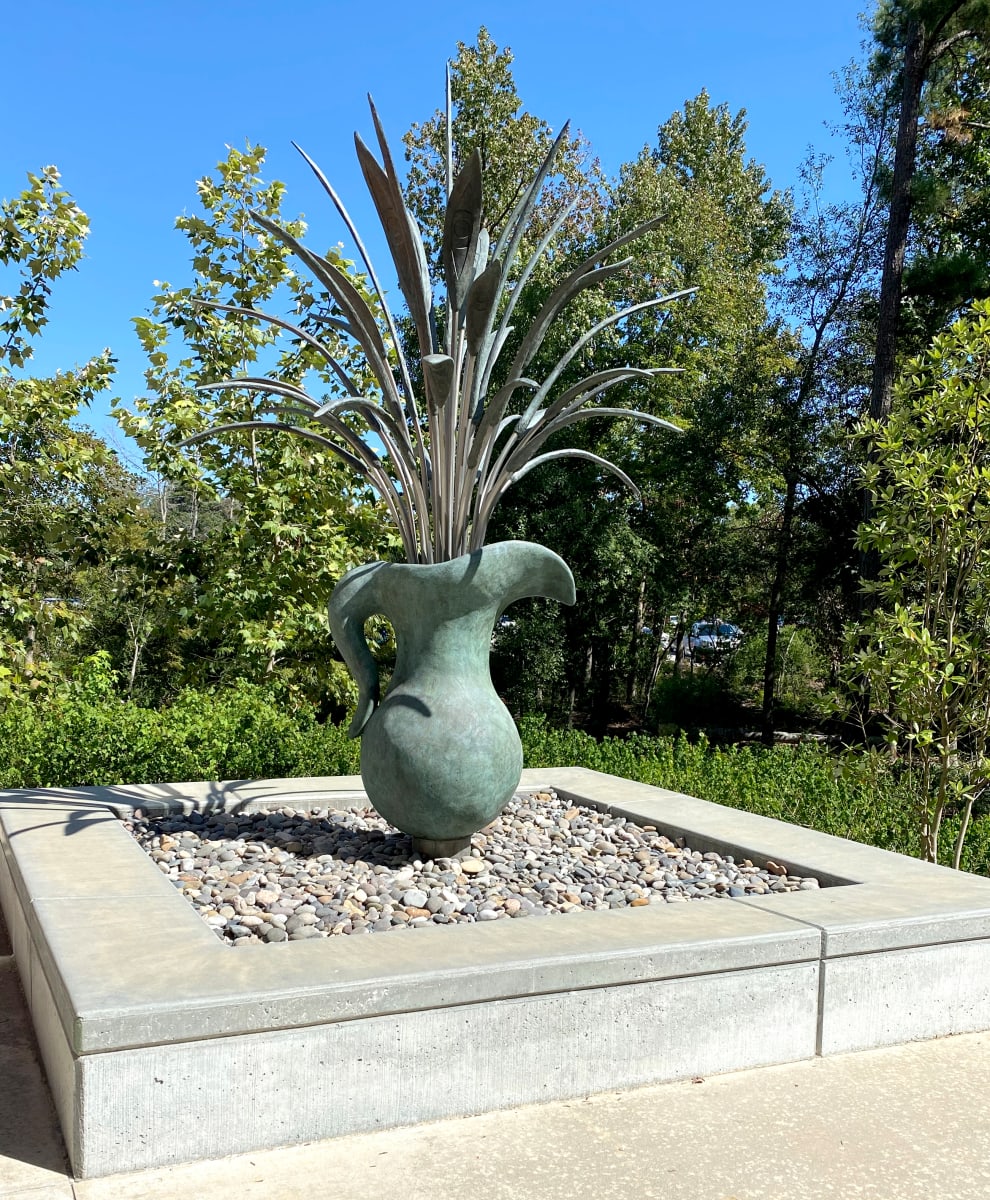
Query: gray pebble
[{"x": 293, "y": 876}]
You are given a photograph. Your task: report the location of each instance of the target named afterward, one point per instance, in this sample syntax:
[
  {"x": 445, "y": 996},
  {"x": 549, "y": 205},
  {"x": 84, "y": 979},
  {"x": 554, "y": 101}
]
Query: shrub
[
  {"x": 801, "y": 672},
  {"x": 86, "y": 737}
]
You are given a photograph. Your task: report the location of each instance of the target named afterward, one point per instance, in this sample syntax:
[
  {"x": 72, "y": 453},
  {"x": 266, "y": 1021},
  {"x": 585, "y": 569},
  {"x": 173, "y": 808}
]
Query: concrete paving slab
[
  {"x": 32, "y": 1156},
  {"x": 905, "y": 1123},
  {"x": 902, "y": 1123},
  {"x": 62, "y": 1191}
]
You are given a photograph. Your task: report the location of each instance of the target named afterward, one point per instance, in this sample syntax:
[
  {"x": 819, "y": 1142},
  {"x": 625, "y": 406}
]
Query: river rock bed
[{"x": 287, "y": 875}]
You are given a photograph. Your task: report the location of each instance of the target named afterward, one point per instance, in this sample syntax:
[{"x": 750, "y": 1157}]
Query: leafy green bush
[
  {"x": 801, "y": 672},
  {"x": 87, "y": 736},
  {"x": 859, "y": 795},
  {"x": 693, "y": 700}
]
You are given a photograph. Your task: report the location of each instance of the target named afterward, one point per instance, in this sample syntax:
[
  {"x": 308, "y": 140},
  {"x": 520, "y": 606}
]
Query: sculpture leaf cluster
[{"x": 449, "y": 460}]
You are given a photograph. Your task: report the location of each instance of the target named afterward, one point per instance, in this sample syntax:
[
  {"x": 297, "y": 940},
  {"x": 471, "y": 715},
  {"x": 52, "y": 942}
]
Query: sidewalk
[{"x": 908, "y": 1123}]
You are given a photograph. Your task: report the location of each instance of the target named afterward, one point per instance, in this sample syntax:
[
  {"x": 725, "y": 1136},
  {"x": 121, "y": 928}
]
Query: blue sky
[{"x": 135, "y": 102}]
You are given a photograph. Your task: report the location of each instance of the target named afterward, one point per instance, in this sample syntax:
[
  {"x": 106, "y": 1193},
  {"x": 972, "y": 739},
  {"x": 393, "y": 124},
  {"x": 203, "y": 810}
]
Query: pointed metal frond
[
  {"x": 253, "y": 383},
  {"x": 501, "y": 486},
  {"x": 461, "y": 228},
  {"x": 368, "y": 266},
  {"x": 590, "y": 386},
  {"x": 536, "y": 437},
  {"x": 585, "y": 454},
  {"x": 518, "y": 285},
  {"x": 515, "y": 225},
  {"x": 438, "y": 373},
  {"x": 236, "y": 426},
  {"x": 354, "y": 306},
  {"x": 620, "y": 315},
  {"x": 295, "y": 330},
  {"x": 494, "y": 411},
  {"x": 480, "y": 305},
  {"x": 584, "y": 277},
  {"x": 404, "y": 242}
]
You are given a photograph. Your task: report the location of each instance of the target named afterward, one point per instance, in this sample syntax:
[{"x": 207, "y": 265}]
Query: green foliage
[
  {"x": 861, "y": 795},
  {"x": 801, "y": 675},
  {"x": 61, "y": 489},
  {"x": 922, "y": 652},
  {"x": 85, "y": 736},
  {"x": 252, "y": 534},
  {"x": 41, "y": 236},
  {"x": 691, "y": 699}
]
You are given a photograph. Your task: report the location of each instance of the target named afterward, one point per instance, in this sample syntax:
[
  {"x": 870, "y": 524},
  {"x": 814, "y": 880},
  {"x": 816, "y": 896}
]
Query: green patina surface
[{"x": 440, "y": 754}]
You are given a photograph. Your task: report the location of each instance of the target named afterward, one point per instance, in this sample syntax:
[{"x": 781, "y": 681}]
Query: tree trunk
[
  {"x": 632, "y": 689},
  {"x": 899, "y": 220},
  {"x": 776, "y": 598}
]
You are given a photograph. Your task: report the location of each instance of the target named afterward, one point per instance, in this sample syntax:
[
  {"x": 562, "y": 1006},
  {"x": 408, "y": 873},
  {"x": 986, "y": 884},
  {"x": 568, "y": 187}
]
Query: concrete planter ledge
[{"x": 162, "y": 1044}]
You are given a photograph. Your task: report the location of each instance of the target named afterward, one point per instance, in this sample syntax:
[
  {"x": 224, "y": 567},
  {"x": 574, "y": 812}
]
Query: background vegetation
[{"x": 828, "y": 493}]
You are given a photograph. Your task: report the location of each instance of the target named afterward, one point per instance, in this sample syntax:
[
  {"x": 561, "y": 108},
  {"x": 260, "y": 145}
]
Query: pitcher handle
[{"x": 354, "y": 600}]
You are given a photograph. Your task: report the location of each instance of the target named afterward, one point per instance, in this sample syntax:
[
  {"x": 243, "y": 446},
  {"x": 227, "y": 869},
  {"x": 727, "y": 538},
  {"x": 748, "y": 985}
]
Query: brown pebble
[
  {"x": 411, "y": 911},
  {"x": 775, "y": 868},
  {"x": 639, "y": 903}
]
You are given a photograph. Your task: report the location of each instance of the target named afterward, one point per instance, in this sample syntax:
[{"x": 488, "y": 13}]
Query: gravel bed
[{"x": 287, "y": 875}]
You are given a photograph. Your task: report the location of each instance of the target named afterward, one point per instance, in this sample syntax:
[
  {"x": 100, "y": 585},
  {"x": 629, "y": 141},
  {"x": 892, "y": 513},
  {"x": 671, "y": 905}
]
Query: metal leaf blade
[
  {"x": 480, "y": 305},
  {"x": 355, "y": 307},
  {"x": 461, "y": 228},
  {"x": 404, "y": 243}
]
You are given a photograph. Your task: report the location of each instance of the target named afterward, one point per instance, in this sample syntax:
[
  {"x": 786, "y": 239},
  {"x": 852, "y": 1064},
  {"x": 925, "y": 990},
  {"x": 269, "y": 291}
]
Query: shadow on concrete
[{"x": 77, "y": 808}]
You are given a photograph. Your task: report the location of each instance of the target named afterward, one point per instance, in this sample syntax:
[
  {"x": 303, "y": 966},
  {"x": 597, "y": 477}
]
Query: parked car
[{"x": 710, "y": 639}]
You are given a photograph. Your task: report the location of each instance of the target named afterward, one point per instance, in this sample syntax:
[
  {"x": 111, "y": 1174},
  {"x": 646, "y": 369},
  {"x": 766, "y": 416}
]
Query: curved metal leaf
[
  {"x": 494, "y": 411},
  {"x": 480, "y": 528},
  {"x": 369, "y": 267},
  {"x": 355, "y": 308},
  {"x": 480, "y": 304},
  {"x": 461, "y": 228},
  {"x": 438, "y": 373},
  {"x": 565, "y": 359},
  {"x": 590, "y": 386},
  {"x": 254, "y": 384},
  {"x": 404, "y": 242},
  {"x": 308, "y": 338},
  {"x": 575, "y": 283},
  {"x": 515, "y": 225},
  {"x": 536, "y": 437},
  {"x": 518, "y": 285}
]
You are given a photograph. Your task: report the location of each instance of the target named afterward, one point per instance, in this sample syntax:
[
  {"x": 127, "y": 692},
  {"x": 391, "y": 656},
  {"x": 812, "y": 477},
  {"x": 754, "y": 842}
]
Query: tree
[
  {"x": 918, "y": 44},
  {"x": 827, "y": 294},
  {"x": 724, "y": 230},
  {"x": 62, "y": 493},
  {"x": 272, "y": 522},
  {"x": 487, "y": 115},
  {"x": 927, "y": 641}
]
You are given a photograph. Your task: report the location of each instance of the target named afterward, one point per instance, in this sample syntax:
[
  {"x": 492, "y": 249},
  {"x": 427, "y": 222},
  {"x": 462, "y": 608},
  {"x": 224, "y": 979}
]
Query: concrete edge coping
[{"x": 147, "y": 970}]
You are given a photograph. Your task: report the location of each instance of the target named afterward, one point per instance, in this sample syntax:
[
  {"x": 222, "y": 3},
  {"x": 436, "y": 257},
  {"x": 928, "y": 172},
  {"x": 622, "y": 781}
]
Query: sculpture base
[
  {"x": 399, "y": 1028},
  {"x": 441, "y": 847}
]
